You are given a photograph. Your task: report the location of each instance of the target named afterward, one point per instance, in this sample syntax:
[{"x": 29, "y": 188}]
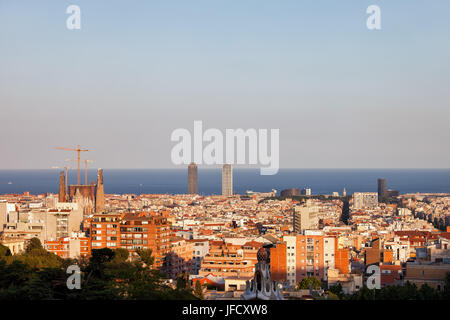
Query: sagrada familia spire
[
  {"x": 62, "y": 196},
  {"x": 100, "y": 193}
]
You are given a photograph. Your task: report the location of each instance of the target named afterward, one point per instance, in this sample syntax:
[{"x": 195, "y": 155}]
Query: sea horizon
[{"x": 174, "y": 180}]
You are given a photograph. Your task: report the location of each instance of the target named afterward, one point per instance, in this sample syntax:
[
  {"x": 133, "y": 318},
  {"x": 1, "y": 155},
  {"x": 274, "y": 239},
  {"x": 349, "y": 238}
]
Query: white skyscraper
[{"x": 227, "y": 180}]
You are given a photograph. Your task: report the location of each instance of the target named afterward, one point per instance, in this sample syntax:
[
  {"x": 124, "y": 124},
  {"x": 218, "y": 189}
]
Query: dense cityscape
[
  {"x": 224, "y": 159},
  {"x": 285, "y": 245}
]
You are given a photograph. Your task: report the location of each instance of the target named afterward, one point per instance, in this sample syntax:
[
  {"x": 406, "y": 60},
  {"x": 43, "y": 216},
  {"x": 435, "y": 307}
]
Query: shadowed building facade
[
  {"x": 290, "y": 192},
  {"x": 192, "y": 178}
]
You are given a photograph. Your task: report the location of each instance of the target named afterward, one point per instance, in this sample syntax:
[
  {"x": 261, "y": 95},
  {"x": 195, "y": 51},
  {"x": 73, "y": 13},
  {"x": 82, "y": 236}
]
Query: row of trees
[
  {"x": 408, "y": 291},
  {"x": 39, "y": 274}
]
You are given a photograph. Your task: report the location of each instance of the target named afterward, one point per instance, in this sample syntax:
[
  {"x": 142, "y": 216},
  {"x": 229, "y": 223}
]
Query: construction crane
[
  {"x": 86, "y": 161},
  {"x": 78, "y": 150},
  {"x": 85, "y": 169}
]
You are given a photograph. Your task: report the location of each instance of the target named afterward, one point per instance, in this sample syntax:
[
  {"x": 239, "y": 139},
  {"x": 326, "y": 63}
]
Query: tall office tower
[
  {"x": 192, "y": 179},
  {"x": 344, "y": 193},
  {"x": 381, "y": 188},
  {"x": 227, "y": 180},
  {"x": 62, "y": 187},
  {"x": 100, "y": 193}
]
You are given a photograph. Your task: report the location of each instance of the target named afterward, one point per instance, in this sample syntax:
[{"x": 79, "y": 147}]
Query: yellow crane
[
  {"x": 85, "y": 169},
  {"x": 86, "y": 161},
  {"x": 78, "y": 150}
]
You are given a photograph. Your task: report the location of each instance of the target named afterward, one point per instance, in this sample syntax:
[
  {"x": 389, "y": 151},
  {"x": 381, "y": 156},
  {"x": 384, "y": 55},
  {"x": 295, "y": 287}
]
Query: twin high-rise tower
[
  {"x": 192, "y": 178},
  {"x": 382, "y": 188},
  {"x": 227, "y": 179}
]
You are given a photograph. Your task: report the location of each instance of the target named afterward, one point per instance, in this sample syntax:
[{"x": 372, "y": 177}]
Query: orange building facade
[
  {"x": 306, "y": 255},
  {"x": 230, "y": 260},
  {"x": 146, "y": 230},
  {"x": 70, "y": 247},
  {"x": 278, "y": 262},
  {"x": 105, "y": 231}
]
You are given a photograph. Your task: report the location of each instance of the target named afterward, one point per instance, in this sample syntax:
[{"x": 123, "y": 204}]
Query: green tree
[
  {"x": 198, "y": 290},
  {"x": 120, "y": 255},
  {"x": 4, "y": 251},
  {"x": 427, "y": 293},
  {"x": 363, "y": 294},
  {"x": 146, "y": 256},
  {"x": 108, "y": 274},
  {"x": 34, "y": 244},
  {"x": 309, "y": 283},
  {"x": 337, "y": 290},
  {"x": 181, "y": 281}
]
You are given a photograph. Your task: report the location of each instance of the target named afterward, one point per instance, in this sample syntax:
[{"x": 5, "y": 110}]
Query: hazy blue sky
[{"x": 341, "y": 95}]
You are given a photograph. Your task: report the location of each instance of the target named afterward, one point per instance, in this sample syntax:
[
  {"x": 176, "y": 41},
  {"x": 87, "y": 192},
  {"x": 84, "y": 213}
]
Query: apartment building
[
  {"x": 305, "y": 217},
  {"x": 60, "y": 223},
  {"x": 200, "y": 250},
  {"x": 146, "y": 231},
  {"x": 432, "y": 274},
  {"x": 311, "y": 253},
  {"x": 105, "y": 230},
  {"x": 396, "y": 250},
  {"x": 180, "y": 259},
  {"x": 278, "y": 262},
  {"x": 15, "y": 244},
  {"x": 230, "y": 260},
  {"x": 365, "y": 200},
  {"x": 132, "y": 231},
  {"x": 70, "y": 247}
]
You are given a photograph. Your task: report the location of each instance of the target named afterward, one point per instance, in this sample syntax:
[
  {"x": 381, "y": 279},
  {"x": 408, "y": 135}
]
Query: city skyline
[{"x": 237, "y": 153}]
